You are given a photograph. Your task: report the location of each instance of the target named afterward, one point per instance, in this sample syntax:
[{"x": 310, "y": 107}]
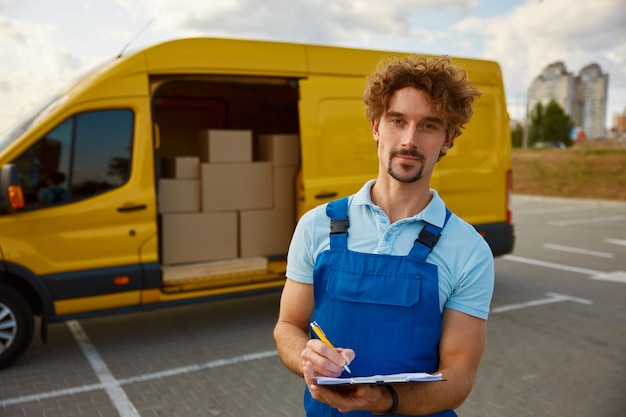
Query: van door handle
[
  {"x": 130, "y": 207},
  {"x": 326, "y": 194}
]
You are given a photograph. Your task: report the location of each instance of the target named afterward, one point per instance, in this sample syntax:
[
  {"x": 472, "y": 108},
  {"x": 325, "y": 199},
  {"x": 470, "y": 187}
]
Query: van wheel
[{"x": 17, "y": 324}]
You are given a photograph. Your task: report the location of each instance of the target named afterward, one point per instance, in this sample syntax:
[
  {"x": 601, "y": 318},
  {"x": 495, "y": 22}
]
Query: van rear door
[{"x": 338, "y": 151}]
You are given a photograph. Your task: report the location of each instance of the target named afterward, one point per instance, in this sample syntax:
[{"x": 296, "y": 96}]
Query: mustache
[{"x": 409, "y": 152}]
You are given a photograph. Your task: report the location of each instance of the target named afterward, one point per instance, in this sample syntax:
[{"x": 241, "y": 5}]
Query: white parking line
[
  {"x": 617, "y": 276},
  {"x": 621, "y": 242},
  {"x": 199, "y": 367},
  {"x": 120, "y": 400},
  {"x": 578, "y": 250},
  {"x": 587, "y": 220},
  {"x": 552, "y": 298},
  {"x": 552, "y": 265},
  {"x": 140, "y": 378},
  {"x": 546, "y": 210},
  {"x": 125, "y": 408},
  {"x": 614, "y": 276}
]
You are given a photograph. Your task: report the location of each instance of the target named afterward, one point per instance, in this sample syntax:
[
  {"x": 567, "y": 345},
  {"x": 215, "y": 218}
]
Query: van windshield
[{"x": 30, "y": 120}]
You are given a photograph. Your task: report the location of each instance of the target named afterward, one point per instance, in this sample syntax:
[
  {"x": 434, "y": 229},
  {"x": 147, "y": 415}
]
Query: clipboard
[{"x": 380, "y": 379}]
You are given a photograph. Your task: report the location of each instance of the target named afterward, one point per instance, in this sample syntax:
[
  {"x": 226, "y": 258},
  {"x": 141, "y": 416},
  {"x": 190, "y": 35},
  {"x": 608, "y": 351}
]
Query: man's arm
[
  {"x": 291, "y": 330},
  {"x": 291, "y": 334},
  {"x": 460, "y": 350}
]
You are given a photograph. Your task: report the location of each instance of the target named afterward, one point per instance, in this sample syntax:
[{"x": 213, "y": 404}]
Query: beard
[{"x": 400, "y": 171}]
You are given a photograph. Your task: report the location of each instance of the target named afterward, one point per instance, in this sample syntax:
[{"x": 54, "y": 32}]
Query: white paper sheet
[{"x": 380, "y": 379}]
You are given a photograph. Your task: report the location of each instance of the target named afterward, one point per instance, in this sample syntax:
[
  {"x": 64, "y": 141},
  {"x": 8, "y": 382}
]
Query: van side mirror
[{"x": 11, "y": 195}]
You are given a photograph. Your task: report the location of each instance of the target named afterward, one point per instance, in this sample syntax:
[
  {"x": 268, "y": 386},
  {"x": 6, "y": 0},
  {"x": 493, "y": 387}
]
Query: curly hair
[{"x": 447, "y": 87}]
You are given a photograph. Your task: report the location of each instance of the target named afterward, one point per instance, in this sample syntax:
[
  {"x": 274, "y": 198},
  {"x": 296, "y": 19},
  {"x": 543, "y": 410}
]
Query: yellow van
[{"x": 176, "y": 174}]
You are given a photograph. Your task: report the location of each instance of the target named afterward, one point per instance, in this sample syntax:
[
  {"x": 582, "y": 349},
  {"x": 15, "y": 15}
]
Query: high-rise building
[{"x": 582, "y": 97}]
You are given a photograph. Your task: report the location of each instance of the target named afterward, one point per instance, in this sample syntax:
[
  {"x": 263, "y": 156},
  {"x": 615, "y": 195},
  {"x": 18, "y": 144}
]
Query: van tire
[{"x": 17, "y": 325}]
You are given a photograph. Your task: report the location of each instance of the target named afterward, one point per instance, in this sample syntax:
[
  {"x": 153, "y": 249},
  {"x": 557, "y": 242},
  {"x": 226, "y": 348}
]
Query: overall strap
[
  {"x": 338, "y": 212},
  {"x": 428, "y": 238}
]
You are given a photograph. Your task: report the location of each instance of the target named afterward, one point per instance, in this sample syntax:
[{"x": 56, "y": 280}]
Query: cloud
[
  {"x": 538, "y": 33},
  {"x": 43, "y": 57},
  {"x": 312, "y": 21},
  {"x": 523, "y": 40},
  {"x": 35, "y": 63}
]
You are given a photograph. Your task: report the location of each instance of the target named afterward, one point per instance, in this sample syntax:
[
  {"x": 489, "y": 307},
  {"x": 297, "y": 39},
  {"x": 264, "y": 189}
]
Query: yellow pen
[{"x": 320, "y": 333}]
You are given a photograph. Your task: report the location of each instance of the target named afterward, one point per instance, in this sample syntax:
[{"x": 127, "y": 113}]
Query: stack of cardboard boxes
[{"x": 234, "y": 200}]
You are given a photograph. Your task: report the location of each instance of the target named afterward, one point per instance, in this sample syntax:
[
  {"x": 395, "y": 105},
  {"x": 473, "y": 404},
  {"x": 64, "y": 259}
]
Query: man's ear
[
  {"x": 374, "y": 125},
  {"x": 447, "y": 144}
]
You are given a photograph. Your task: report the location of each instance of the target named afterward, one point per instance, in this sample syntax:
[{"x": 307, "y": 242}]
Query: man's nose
[{"x": 410, "y": 136}]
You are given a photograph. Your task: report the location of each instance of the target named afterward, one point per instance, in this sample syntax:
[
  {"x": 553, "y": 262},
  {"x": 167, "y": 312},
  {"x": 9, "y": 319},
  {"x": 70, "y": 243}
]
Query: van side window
[
  {"x": 86, "y": 154},
  {"x": 102, "y": 151}
]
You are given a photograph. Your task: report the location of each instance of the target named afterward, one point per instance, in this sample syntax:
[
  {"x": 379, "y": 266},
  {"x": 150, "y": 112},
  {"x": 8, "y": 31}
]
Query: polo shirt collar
[{"x": 434, "y": 213}]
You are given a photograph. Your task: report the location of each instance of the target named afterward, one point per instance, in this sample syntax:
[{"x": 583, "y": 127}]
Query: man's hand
[
  {"x": 325, "y": 360},
  {"x": 362, "y": 397},
  {"x": 320, "y": 359}
]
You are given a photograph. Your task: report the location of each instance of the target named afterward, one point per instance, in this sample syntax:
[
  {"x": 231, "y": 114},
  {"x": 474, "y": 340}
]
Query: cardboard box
[
  {"x": 265, "y": 232},
  {"x": 280, "y": 150},
  {"x": 179, "y": 196},
  {"x": 284, "y": 180},
  {"x": 225, "y": 146},
  {"x": 244, "y": 186},
  {"x": 198, "y": 237},
  {"x": 181, "y": 167}
]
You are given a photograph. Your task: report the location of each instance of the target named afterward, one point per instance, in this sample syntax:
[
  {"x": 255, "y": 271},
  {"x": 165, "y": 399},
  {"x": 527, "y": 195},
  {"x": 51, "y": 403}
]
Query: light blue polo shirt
[{"x": 463, "y": 257}]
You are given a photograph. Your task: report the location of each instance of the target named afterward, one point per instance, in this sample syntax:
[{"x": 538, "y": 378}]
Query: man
[
  {"x": 52, "y": 192},
  {"x": 389, "y": 303}
]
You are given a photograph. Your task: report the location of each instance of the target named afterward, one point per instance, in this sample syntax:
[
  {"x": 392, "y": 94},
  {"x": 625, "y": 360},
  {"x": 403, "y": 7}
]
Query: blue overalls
[{"x": 385, "y": 307}]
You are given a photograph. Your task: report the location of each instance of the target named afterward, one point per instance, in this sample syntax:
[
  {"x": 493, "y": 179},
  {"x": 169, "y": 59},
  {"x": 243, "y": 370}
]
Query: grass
[{"x": 590, "y": 170}]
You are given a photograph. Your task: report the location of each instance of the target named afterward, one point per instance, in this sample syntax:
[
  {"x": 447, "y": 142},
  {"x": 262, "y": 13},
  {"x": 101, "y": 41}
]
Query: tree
[
  {"x": 536, "y": 122},
  {"x": 517, "y": 135},
  {"x": 556, "y": 124},
  {"x": 550, "y": 124}
]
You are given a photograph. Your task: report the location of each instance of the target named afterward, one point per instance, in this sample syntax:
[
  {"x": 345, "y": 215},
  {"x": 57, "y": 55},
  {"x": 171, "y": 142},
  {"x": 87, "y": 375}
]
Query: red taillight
[{"x": 509, "y": 195}]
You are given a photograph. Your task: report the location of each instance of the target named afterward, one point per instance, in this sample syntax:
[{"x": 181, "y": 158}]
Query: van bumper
[{"x": 499, "y": 236}]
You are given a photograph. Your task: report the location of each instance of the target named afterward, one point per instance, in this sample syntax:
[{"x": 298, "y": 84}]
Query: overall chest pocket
[
  {"x": 379, "y": 313},
  {"x": 382, "y": 287}
]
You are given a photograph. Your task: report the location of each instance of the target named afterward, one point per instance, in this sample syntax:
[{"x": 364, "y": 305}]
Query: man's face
[{"x": 410, "y": 135}]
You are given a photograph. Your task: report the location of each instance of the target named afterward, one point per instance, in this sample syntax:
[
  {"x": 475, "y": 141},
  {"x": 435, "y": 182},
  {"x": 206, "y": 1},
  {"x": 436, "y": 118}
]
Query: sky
[{"x": 45, "y": 44}]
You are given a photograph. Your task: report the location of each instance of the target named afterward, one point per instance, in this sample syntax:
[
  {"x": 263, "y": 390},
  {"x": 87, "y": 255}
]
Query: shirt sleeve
[
  {"x": 301, "y": 255},
  {"x": 474, "y": 286}
]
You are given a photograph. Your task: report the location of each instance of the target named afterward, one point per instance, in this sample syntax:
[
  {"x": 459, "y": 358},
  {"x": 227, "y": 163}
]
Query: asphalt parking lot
[{"x": 555, "y": 342}]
